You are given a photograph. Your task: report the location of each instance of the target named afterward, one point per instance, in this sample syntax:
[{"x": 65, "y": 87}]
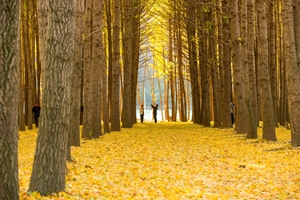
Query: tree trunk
[
  {"x": 248, "y": 58},
  {"x": 115, "y": 96},
  {"x": 135, "y": 54},
  {"x": 87, "y": 109},
  {"x": 226, "y": 86},
  {"x": 9, "y": 89},
  {"x": 264, "y": 79},
  {"x": 292, "y": 71},
  {"x": 103, "y": 66},
  {"x": 191, "y": 34},
  {"x": 76, "y": 81},
  {"x": 57, "y": 39},
  {"x": 272, "y": 59},
  {"x": 239, "y": 97},
  {"x": 96, "y": 128},
  {"x": 128, "y": 65},
  {"x": 251, "y": 63}
]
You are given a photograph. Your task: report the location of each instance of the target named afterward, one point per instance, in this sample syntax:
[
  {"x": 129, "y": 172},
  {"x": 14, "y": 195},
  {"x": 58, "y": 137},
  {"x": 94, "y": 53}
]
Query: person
[
  {"x": 36, "y": 113},
  {"x": 232, "y": 112},
  {"x": 142, "y": 112},
  {"x": 154, "y": 108}
]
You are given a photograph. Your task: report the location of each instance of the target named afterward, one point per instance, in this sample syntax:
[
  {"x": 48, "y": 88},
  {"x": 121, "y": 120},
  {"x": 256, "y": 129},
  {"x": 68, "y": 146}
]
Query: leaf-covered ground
[{"x": 174, "y": 161}]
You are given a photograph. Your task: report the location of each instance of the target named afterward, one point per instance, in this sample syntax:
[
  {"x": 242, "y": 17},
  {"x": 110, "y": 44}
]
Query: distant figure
[
  {"x": 232, "y": 112},
  {"x": 36, "y": 113},
  {"x": 142, "y": 112},
  {"x": 154, "y": 108}
]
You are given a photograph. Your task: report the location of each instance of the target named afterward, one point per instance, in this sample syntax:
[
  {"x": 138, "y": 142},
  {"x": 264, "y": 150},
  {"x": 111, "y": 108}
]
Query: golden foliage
[{"x": 174, "y": 161}]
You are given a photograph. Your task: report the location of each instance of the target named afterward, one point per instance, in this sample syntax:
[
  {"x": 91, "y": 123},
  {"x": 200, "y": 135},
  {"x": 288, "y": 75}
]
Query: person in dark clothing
[
  {"x": 232, "y": 112},
  {"x": 154, "y": 108},
  {"x": 142, "y": 113},
  {"x": 36, "y": 113}
]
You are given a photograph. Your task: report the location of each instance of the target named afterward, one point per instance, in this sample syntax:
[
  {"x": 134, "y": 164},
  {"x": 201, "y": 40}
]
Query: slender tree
[
  {"x": 264, "y": 78},
  {"x": 239, "y": 97},
  {"x": 115, "y": 96},
  {"x": 128, "y": 65},
  {"x": 77, "y": 76}
]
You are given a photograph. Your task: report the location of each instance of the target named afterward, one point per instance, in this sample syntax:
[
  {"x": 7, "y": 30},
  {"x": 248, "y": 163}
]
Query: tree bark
[
  {"x": 77, "y": 75},
  {"x": 96, "y": 128},
  {"x": 239, "y": 97},
  {"x": 57, "y": 23},
  {"x": 227, "y": 85},
  {"x": 264, "y": 78},
  {"x": 115, "y": 97},
  {"x": 128, "y": 65},
  {"x": 249, "y": 67},
  {"x": 87, "y": 74},
  {"x": 9, "y": 89},
  {"x": 292, "y": 71}
]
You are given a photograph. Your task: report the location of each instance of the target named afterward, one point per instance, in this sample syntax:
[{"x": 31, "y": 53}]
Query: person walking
[
  {"x": 142, "y": 112},
  {"x": 36, "y": 113},
  {"x": 232, "y": 112},
  {"x": 154, "y": 108}
]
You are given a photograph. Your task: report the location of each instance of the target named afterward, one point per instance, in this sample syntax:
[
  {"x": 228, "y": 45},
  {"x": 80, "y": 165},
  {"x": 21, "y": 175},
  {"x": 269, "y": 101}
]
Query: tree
[
  {"x": 250, "y": 78},
  {"x": 264, "y": 78},
  {"x": 226, "y": 84},
  {"x": 87, "y": 73},
  {"x": 77, "y": 76},
  {"x": 292, "y": 71},
  {"x": 9, "y": 71},
  {"x": 115, "y": 99},
  {"x": 239, "y": 97},
  {"x": 57, "y": 21},
  {"x": 128, "y": 64},
  {"x": 96, "y": 128}
]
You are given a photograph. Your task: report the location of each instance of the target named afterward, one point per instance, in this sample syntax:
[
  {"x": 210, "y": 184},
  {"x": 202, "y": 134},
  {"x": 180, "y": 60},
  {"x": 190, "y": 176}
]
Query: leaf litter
[{"x": 173, "y": 161}]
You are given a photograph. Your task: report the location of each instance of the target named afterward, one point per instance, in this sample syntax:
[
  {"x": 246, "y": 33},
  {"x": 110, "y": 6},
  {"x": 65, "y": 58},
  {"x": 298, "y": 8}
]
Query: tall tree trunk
[
  {"x": 292, "y": 71},
  {"x": 251, "y": 63},
  {"x": 226, "y": 87},
  {"x": 191, "y": 34},
  {"x": 109, "y": 18},
  {"x": 251, "y": 125},
  {"x": 87, "y": 109},
  {"x": 9, "y": 89},
  {"x": 96, "y": 128},
  {"x": 264, "y": 79},
  {"x": 239, "y": 97},
  {"x": 103, "y": 65},
  {"x": 135, "y": 54},
  {"x": 76, "y": 81},
  {"x": 272, "y": 59},
  {"x": 128, "y": 65},
  {"x": 115, "y": 96},
  {"x": 57, "y": 40},
  {"x": 247, "y": 45}
]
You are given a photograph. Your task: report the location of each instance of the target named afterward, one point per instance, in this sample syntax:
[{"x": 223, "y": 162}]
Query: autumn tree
[
  {"x": 239, "y": 97},
  {"x": 9, "y": 71},
  {"x": 115, "y": 96},
  {"x": 292, "y": 69},
  {"x": 264, "y": 78},
  {"x": 57, "y": 39},
  {"x": 128, "y": 65}
]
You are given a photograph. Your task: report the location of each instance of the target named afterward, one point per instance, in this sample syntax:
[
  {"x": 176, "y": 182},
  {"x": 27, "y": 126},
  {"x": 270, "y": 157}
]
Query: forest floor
[{"x": 174, "y": 161}]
